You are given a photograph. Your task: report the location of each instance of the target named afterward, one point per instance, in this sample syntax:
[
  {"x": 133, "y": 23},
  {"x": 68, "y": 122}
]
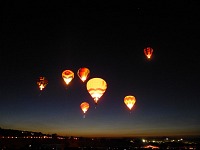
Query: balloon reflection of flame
[{"x": 41, "y": 87}]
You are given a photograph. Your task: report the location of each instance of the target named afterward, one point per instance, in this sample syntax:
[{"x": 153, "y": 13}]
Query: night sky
[{"x": 46, "y": 38}]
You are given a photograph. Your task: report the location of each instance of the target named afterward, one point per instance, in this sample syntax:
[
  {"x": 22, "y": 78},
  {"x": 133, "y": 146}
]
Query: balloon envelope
[
  {"x": 96, "y": 88},
  {"x": 67, "y": 76},
  {"x": 42, "y": 82},
  {"x": 83, "y": 73},
  {"x": 129, "y": 101},
  {"x": 148, "y": 52},
  {"x": 84, "y": 106}
]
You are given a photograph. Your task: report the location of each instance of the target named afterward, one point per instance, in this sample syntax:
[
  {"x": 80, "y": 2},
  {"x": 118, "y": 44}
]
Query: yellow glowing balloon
[
  {"x": 96, "y": 88},
  {"x": 83, "y": 73},
  {"x": 148, "y": 52},
  {"x": 84, "y": 106},
  {"x": 129, "y": 101},
  {"x": 42, "y": 82},
  {"x": 67, "y": 76}
]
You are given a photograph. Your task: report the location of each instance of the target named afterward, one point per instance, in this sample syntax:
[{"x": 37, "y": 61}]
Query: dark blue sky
[{"x": 43, "y": 39}]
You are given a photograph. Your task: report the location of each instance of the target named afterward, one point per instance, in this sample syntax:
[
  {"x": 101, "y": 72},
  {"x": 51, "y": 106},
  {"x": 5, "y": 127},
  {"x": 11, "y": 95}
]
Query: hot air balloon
[
  {"x": 148, "y": 52},
  {"x": 96, "y": 88},
  {"x": 67, "y": 76},
  {"x": 42, "y": 82},
  {"x": 129, "y": 101},
  {"x": 84, "y": 107},
  {"x": 83, "y": 73}
]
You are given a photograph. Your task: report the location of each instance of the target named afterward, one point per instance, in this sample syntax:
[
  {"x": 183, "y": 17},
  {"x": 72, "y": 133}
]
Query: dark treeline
[
  {"x": 18, "y": 133},
  {"x": 27, "y": 140}
]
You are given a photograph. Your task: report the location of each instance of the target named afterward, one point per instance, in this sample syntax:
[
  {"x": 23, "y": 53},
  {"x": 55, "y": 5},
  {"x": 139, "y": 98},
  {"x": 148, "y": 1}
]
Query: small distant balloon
[
  {"x": 129, "y": 101},
  {"x": 42, "y": 82},
  {"x": 84, "y": 107},
  {"x": 83, "y": 73},
  {"x": 148, "y": 52},
  {"x": 96, "y": 88},
  {"x": 67, "y": 76}
]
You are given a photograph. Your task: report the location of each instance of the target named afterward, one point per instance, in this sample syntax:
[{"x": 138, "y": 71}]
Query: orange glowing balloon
[
  {"x": 67, "y": 76},
  {"x": 83, "y": 73},
  {"x": 42, "y": 82},
  {"x": 84, "y": 106},
  {"x": 96, "y": 88},
  {"x": 148, "y": 52},
  {"x": 129, "y": 101}
]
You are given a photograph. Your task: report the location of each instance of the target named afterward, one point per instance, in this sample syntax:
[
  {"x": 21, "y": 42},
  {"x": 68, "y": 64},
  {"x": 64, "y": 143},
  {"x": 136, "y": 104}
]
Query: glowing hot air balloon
[
  {"x": 67, "y": 76},
  {"x": 84, "y": 106},
  {"x": 96, "y": 88},
  {"x": 83, "y": 73},
  {"x": 129, "y": 101},
  {"x": 148, "y": 52},
  {"x": 42, "y": 82}
]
